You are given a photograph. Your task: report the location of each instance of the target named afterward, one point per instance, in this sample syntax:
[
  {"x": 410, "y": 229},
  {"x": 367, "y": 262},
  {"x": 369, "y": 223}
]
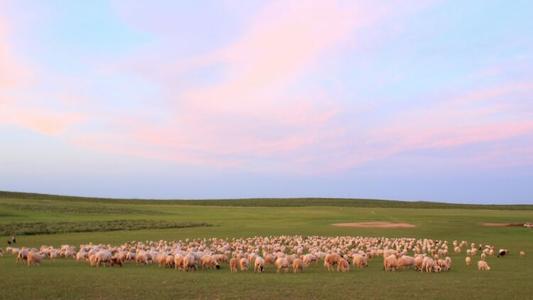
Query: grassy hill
[
  {"x": 56, "y": 220},
  {"x": 269, "y": 202}
]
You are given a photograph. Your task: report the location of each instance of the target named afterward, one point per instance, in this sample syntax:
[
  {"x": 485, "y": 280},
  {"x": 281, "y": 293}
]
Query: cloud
[
  {"x": 484, "y": 115},
  {"x": 255, "y": 113},
  {"x": 19, "y": 84},
  {"x": 255, "y": 110}
]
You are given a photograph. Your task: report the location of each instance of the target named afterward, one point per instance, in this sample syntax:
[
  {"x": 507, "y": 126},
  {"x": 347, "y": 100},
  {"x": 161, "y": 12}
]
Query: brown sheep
[
  {"x": 34, "y": 258},
  {"x": 297, "y": 265},
  {"x": 343, "y": 265},
  {"x": 244, "y": 264},
  {"x": 209, "y": 262},
  {"x": 234, "y": 264},
  {"x": 178, "y": 261},
  {"x": 331, "y": 260}
]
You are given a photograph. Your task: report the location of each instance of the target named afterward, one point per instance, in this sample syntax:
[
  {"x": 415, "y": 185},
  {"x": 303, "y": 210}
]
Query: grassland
[{"x": 66, "y": 279}]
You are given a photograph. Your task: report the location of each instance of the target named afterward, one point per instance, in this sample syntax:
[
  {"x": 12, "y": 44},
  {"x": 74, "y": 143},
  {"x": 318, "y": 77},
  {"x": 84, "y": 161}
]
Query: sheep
[
  {"x": 448, "y": 261},
  {"x": 209, "y": 262},
  {"x": 22, "y": 255},
  {"x": 443, "y": 265},
  {"x": 103, "y": 257},
  {"x": 116, "y": 261},
  {"x": 468, "y": 260},
  {"x": 331, "y": 260},
  {"x": 233, "y": 264},
  {"x": 244, "y": 264},
  {"x": 82, "y": 255},
  {"x": 297, "y": 265},
  {"x": 406, "y": 261},
  {"x": 483, "y": 256},
  {"x": 308, "y": 259},
  {"x": 502, "y": 252},
  {"x": 282, "y": 264},
  {"x": 189, "y": 262},
  {"x": 178, "y": 261},
  {"x": 161, "y": 259},
  {"x": 419, "y": 259},
  {"x": 143, "y": 257},
  {"x": 33, "y": 258},
  {"x": 269, "y": 258},
  {"x": 522, "y": 253},
  {"x": 390, "y": 263},
  {"x": 360, "y": 261},
  {"x": 483, "y": 266},
  {"x": 259, "y": 264},
  {"x": 428, "y": 264},
  {"x": 169, "y": 261},
  {"x": 343, "y": 265}
]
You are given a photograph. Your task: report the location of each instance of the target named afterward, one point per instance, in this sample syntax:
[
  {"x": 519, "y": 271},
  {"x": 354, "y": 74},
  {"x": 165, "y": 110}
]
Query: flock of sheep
[{"x": 284, "y": 253}]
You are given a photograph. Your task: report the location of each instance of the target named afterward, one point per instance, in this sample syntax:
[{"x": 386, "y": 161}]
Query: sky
[{"x": 409, "y": 100}]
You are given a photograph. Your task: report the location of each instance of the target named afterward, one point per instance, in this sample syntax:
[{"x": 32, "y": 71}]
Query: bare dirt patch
[
  {"x": 503, "y": 224},
  {"x": 375, "y": 225}
]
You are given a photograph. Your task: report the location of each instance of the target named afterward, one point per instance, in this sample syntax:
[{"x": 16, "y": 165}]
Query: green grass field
[{"x": 510, "y": 277}]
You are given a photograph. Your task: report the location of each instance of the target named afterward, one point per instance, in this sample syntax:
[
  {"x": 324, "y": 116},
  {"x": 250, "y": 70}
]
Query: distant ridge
[{"x": 272, "y": 202}]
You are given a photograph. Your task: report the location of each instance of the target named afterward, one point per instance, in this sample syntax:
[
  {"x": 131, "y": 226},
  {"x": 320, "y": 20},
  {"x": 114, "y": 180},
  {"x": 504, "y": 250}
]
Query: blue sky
[{"x": 414, "y": 100}]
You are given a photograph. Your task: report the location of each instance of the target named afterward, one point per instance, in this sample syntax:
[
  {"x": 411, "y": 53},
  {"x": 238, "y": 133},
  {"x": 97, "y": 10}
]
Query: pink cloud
[
  {"x": 15, "y": 107},
  {"x": 480, "y": 116},
  {"x": 251, "y": 113}
]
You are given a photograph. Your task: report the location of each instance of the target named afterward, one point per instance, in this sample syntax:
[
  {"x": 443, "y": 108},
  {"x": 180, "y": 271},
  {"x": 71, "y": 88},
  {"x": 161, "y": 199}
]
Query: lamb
[
  {"x": 522, "y": 253},
  {"x": 297, "y": 265},
  {"x": 483, "y": 266}
]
